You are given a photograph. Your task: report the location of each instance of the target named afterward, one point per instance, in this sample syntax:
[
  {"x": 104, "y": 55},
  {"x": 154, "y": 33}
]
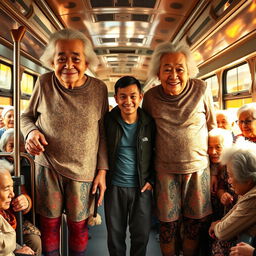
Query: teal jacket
[{"x": 145, "y": 144}]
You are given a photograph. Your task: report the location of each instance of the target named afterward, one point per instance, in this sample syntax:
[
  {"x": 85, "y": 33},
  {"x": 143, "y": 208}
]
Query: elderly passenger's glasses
[{"x": 245, "y": 122}]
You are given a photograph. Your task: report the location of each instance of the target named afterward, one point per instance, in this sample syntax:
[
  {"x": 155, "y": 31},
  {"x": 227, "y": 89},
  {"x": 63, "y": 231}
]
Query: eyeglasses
[{"x": 245, "y": 122}]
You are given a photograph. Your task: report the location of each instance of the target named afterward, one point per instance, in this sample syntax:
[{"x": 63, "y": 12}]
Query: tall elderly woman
[
  {"x": 183, "y": 111},
  {"x": 247, "y": 121},
  {"x": 63, "y": 127},
  {"x": 240, "y": 221}
]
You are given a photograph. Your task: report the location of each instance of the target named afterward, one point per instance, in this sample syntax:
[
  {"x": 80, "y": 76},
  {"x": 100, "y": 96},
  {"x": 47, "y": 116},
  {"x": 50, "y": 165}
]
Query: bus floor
[{"x": 97, "y": 245}]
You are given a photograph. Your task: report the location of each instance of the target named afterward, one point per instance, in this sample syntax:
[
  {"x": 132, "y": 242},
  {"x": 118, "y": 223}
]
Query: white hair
[
  {"x": 225, "y": 136},
  {"x": 242, "y": 157},
  {"x": 6, "y": 109},
  {"x": 5, "y": 166},
  {"x": 168, "y": 47},
  {"x": 247, "y": 107},
  {"x": 229, "y": 116},
  {"x": 7, "y": 135},
  {"x": 69, "y": 34}
]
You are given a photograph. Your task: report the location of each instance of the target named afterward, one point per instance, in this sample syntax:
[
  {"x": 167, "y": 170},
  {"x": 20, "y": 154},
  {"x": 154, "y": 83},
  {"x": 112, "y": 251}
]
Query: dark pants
[{"x": 127, "y": 205}]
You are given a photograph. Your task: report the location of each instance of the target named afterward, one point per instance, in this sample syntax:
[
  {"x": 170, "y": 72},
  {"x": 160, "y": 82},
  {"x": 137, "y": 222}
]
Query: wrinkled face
[
  {"x": 70, "y": 63},
  {"x": 1, "y": 119},
  {"x": 222, "y": 122},
  {"x": 128, "y": 100},
  {"x": 9, "y": 119},
  {"x": 9, "y": 147},
  {"x": 6, "y": 190},
  {"x": 215, "y": 148},
  {"x": 239, "y": 187},
  {"x": 173, "y": 73},
  {"x": 247, "y": 124}
]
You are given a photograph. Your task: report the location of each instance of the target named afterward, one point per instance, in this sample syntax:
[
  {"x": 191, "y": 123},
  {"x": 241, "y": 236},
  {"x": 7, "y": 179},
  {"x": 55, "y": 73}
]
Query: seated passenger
[
  {"x": 7, "y": 218},
  {"x": 247, "y": 121},
  {"x": 1, "y": 118},
  {"x": 22, "y": 202},
  {"x": 240, "y": 221},
  {"x": 8, "y": 119}
]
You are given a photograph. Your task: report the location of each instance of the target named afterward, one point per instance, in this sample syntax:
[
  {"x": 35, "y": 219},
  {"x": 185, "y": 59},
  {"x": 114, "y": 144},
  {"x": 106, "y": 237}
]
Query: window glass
[
  {"x": 5, "y": 76},
  {"x": 237, "y": 103},
  {"x": 238, "y": 79},
  {"x": 27, "y": 83},
  {"x": 5, "y": 101},
  {"x": 213, "y": 82},
  {"x": 23, "y": 104}
]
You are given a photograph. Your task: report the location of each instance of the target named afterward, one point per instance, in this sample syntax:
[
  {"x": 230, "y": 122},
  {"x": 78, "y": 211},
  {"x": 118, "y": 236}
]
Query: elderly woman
[
  {"x": 23, "y": 202},
  {"x": 184, "y": 114},
  {"x": 8, "y": 119},
  {"x": 1, "y": 118},
  {"x": 63, "y": 127},
  {"x": 7, "y": 218},
  {"x": 240, "y": 221},
  {"x": 247, "y": 121}
]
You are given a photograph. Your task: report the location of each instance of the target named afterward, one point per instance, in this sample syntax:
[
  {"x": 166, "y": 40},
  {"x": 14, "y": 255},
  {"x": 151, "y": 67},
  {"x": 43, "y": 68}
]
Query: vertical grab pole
[{"x": 17, "y": 35}]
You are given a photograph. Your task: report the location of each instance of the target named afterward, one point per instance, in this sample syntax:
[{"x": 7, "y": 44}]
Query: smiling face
[
  {"x": 9, "y": 119},
  {"x": 173, "y": 73},
  {"x": 70, "y": 63},
  {"x": 247, "y": 124},
  {"x": 215, "y": 148},
  {"x": 223, "y": 122},
  {"x": 128, "y": 100},
  {"x": 6, "y": 190}
]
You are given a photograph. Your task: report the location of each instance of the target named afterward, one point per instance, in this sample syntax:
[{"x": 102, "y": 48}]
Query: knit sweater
[
  {"x": 182, "y": 123},
  {"x": 240, "y": 219},
  {"x": 72, "y": 123}
]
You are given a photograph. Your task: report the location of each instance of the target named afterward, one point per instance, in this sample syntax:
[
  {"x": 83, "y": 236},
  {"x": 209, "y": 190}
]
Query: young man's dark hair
[{"x": 126, "y": 81}]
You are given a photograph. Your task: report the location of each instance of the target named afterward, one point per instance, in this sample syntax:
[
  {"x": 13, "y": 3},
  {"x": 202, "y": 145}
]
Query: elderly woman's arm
[{"x": 237, "y": 221}]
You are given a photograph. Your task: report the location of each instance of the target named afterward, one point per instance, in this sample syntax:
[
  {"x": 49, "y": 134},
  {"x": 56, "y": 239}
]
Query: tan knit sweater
[
  {"x": 240, "y": 219},
  {"x": 182, "y": 122},
  {"x": 72, "y": 122}
]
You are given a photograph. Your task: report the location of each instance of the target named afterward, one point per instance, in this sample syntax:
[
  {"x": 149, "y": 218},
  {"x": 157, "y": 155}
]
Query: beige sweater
[
  {"x": 240, "y": 219},
  {"x": 7, "y": 238},
  {"x": 72, "y": 122},
  {"x": 182, "y": 122}
]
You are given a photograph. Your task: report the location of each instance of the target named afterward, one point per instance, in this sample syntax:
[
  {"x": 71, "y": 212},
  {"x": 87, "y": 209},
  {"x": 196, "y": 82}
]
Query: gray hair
[
  {"x": 5, "y": 166},
  {"x": 69, "y": 34},
  {"x": 230, "y": 117},
  {"x": 225, "y": 136},
  {"x": 242, "y": 157},
  {"x": 247, "y": 107},
  {"x": 7, "y": 135},
  {"x": 168, "y": 47}
]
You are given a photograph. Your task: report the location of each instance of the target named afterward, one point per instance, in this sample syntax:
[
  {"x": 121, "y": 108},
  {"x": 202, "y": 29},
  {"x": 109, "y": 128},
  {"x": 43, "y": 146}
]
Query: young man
[{"x": 130, "y": 138}]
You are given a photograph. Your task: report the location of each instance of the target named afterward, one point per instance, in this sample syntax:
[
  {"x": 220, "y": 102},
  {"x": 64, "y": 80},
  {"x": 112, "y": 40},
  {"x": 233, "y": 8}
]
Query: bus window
[
  {"x": 23, "y": 104},
  {"x": 213, "y": 82},
  {"x": 237, "y": 79},
  {"x": 5, "y": 77},
  {"x": 237, "y": 102},
  {"x": 27, "y": 84},
  {"x": 5, "y": 101}
]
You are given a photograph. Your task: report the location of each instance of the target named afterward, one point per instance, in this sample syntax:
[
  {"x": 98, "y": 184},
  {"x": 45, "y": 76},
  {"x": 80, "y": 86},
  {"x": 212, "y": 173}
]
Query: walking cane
[{"x": 17, "y": 35}]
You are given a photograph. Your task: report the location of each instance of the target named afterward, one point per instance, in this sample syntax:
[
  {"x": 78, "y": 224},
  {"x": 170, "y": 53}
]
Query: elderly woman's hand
[
  {"x": 242, "y": 249},
  {"x": 25, "y": 250},
  {"x": 211, "y": 229},
  {"x": 226, "y": 198},
  {"x": 100, "y": 182},
  {"x": 35, "y": 142},
  {"x": 20, "y": 203}
]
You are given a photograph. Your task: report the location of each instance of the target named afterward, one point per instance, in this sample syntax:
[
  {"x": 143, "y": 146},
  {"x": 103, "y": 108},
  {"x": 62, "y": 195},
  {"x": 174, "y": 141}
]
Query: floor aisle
[{"x": 98, "y": 243}]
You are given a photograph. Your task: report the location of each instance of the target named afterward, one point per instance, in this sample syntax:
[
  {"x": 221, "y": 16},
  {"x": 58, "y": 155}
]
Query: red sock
[
  {"x": 78, "y": 237},
  {"x": 50, "y": 235}
]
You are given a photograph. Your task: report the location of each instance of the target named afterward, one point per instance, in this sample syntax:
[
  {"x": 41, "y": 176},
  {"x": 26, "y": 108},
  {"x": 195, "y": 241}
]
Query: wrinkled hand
[
  {"x": 25, "y": 250},
  {"x": 35, "y": 142},
  {"x": 211, "y": 229},
  {"x": 242, "y": 249},
  {"x": 20, "y": 203},
  {"x": 226, "y": 198},
  {"x": 214, "y": 183},
  {"x": 100, "y": 182},
  {"x": 147, "y": 186}
]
